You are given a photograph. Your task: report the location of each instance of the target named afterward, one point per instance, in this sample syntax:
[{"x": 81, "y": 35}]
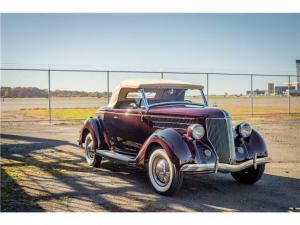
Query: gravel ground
[{"x": 42, "y": 169}]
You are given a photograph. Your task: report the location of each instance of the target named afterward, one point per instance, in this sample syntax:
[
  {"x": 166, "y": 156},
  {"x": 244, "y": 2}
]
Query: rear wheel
[
  {"x": 91, "y": 157},
  {"x": 165, "y": 178},
  {"x": 249, "y": 175}
]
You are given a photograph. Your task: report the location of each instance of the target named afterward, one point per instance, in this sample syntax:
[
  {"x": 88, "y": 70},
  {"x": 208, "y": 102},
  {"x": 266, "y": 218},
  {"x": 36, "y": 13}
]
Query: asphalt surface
[{"x": 42, "y": 169}]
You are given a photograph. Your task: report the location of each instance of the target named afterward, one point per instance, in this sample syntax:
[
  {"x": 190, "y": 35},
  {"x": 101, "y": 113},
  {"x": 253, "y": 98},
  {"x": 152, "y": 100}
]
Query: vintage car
[{"x": 167, "y": 127}]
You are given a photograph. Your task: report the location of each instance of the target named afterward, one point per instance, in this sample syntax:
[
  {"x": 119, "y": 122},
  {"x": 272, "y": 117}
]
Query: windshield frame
[{"x": 148, "y": 106}]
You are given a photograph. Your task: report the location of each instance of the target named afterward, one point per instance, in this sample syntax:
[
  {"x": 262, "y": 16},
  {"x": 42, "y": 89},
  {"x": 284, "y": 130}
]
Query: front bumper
[{"x": 223, "y": 167}]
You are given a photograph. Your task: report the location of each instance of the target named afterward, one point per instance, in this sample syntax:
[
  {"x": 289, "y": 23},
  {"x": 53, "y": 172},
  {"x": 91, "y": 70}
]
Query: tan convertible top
[
  {"x": 157, "y": 83},
  {"x": 126, "y": 85}
]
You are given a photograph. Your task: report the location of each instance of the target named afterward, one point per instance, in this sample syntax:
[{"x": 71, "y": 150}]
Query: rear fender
[
  {"x": 171, "y": 141},
  {"x": 96, "y": 128}
]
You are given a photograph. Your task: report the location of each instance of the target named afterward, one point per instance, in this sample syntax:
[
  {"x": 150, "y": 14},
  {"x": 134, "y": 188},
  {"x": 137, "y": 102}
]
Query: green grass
[{"x": 61, "y": 113}]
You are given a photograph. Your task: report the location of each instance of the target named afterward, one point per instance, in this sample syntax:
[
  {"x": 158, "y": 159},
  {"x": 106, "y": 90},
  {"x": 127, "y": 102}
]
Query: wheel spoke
[{"x": 90, "y": 150}]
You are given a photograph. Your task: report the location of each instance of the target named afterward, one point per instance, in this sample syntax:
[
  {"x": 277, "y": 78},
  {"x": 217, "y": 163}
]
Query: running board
[{"x": 114, "y": 156}]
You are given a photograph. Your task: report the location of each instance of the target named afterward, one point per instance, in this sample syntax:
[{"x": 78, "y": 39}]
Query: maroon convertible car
[{"x": 167, "y": 127}]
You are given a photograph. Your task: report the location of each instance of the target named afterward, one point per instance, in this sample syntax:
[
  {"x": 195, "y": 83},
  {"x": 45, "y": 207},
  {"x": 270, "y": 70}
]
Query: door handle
[{"x": 116, "y": 117}]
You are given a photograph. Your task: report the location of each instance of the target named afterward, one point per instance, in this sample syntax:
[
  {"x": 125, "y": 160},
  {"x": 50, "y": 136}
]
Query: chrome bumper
[{"x": 223, "y": 167}]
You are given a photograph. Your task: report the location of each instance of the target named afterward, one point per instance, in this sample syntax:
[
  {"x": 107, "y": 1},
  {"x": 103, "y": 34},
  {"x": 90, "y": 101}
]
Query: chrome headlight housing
[
  {"x": 245, "y": 130},
  {"x": 196, "y": 131}
]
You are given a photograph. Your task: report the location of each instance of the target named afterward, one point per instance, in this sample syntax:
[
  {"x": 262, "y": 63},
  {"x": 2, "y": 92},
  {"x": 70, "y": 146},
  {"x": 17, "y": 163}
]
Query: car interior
[{"x": 153, "y": 97}]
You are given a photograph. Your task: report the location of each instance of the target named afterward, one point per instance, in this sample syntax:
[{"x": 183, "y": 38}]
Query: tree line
[{"x": 34, "y": 92}]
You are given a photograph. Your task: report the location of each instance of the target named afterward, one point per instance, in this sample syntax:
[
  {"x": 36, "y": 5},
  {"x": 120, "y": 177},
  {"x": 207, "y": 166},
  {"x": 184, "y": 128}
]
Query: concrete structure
[
  {"x": 283, "y": 90},
  {"x": 298, "y": 73},
  {"x": 296, "y": 91},
  {"x": 271, "y": 88}
]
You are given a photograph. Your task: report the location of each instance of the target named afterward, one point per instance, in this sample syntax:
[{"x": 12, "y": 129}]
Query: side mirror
[{"x": 132, "y": 105}]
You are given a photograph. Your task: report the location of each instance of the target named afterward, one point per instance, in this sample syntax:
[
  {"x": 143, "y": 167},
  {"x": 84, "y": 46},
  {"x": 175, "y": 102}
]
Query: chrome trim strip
[
  {"x": 217, "y": 164},
  {"x": 176, "y": 128},
  {"x": 211, "y": 167},
  {"x": 255, "y": 161},
  {"x": 160, "y": 122},
  {"x": 183, "y": 117},
  {"x": 129, "y": 112}
]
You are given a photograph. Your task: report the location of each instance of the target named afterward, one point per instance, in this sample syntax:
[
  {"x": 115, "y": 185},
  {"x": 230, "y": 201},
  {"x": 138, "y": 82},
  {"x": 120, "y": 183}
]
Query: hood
[{"x": 188, "y": 111}]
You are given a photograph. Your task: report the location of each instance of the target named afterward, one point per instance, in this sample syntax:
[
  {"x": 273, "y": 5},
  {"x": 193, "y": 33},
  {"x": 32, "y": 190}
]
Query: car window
[
  {"x": 193, "y": 96},
  {"x": 138, "y": 95},
  {"x": 175, "y": 95}
]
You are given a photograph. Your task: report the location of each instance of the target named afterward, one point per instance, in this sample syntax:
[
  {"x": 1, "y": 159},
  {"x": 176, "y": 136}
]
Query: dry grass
[
  {"x": 81, "y": 108},
  {"x": 61, "y": 113},
  {"x": 238, "y": 113}
]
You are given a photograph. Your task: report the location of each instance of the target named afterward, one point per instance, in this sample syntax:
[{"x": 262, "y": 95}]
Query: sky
[{"x": 226, "y": 43}]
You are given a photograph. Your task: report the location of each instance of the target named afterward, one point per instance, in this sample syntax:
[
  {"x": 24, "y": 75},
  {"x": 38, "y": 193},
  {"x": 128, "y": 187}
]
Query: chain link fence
[{"x": 29, "y": 95}]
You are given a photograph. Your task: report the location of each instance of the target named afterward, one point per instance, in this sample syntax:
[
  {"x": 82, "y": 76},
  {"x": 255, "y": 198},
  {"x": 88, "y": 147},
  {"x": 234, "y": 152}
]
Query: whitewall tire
[
  {"x": 91, "y": 157},
  {"x": 165, "y": 178}
]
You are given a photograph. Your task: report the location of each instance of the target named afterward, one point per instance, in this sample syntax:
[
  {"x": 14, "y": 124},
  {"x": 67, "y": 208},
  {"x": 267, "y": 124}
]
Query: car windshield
[{"x": 174, "y": 96}]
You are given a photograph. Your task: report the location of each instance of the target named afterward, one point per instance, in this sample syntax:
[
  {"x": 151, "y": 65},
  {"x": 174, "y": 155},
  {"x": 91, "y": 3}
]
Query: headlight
[
  {"x": 245, "y": 130},
  {"x": 196, "y": 131}
]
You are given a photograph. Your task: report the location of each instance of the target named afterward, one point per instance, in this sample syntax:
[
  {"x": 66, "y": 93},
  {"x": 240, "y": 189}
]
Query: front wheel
[
  {"x": 91, "y": 157},
  {"x": 164, "y": 176},
  {"x": 249, "y": 175}
]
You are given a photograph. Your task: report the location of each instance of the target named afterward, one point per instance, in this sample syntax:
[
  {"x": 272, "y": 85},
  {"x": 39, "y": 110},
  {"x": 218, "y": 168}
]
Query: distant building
[
  {"x": 296, "y": 92},
  {"x": 271, "y": 88},
  {"x": 293, "y": 90},
  {"x": 283, "y": 90},
  {"x": 257, "y": 92},
  {"x": 298, "y": 74}
]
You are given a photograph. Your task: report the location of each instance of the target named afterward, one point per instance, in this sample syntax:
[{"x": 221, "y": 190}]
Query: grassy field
[
  {"x": 77, "y": 114},
  {"x": 61, "y": 113},
  {"x": 80, "y": 108},
  {"x": 10, "y": 104}
]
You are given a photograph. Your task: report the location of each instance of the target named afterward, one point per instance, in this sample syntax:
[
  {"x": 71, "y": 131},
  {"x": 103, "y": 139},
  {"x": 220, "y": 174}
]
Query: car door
[{"x": 126, "y": 128}]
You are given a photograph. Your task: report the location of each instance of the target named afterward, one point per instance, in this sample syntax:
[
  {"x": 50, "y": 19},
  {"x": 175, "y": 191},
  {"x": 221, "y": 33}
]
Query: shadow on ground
[{"x": 40, "y": 174}]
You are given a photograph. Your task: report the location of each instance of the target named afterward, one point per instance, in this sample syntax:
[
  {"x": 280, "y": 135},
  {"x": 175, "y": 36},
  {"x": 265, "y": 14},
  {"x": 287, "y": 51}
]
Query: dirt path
[{"x": 42, "y": 169}]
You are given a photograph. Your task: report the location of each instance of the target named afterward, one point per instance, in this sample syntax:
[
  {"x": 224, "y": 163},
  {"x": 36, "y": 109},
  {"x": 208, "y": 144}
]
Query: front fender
[
  {"x": 96, "y": 129},
  {"x": 252, "y": 145},
  {"x": 177, "y": 149}
]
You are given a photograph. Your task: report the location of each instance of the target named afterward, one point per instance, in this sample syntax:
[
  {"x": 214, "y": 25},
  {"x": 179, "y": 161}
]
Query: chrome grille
[
  {"x": 219, "y": 133},
  {"x": 171, "y": 122}
]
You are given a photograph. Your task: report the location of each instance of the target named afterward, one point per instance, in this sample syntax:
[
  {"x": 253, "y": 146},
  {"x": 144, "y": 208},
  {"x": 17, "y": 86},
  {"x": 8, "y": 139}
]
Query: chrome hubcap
[{"x": 161, "y": 171}]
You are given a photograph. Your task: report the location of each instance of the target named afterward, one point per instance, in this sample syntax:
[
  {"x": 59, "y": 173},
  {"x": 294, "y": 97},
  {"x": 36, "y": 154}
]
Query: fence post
[
  {"x": 289, "y": 100},
  {"x": 162, "y": 75},
  {"x": 252, "y": 95},
  {"x": 107, "y": 85},
  {"x": 207, "y": 77},
  {"x": 49, "y": 97}
]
